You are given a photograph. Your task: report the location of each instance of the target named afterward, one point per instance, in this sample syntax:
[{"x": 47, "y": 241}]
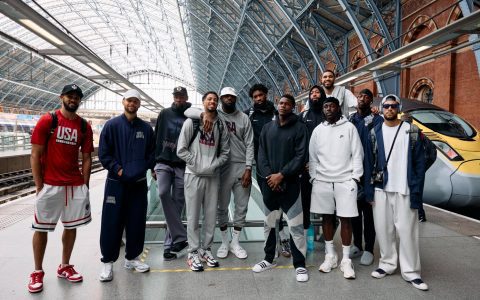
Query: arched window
[
  {"x": 425, "y": 94},
  {"x": 422, "y": 90}
]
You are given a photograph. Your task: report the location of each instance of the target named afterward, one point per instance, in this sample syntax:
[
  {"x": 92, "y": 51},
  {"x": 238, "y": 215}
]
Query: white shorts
[
  {"x": 71, "y": 203},
  {"x": 330, "y": 196}
]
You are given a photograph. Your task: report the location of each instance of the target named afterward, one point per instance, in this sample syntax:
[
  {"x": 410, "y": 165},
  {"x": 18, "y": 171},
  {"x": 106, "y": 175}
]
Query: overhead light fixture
[
  {"x": 97, "y": 68},
  {"x": 124, "y": 85},
  {"x": 42, "y": 32},
  {"x": 409, "y": 53},
  {"x": 347, "y": 79}
]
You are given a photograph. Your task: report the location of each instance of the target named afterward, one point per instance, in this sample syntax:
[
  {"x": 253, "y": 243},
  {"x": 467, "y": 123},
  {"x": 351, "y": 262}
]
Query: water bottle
[{"x": 310, "y": 239}]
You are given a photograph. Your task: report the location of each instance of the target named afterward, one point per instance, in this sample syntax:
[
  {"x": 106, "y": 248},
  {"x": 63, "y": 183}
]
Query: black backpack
[
  {"x": 83, "y": 126},
  {"x": 429, "y": 147},
  {"x": 196, "y": 130}
]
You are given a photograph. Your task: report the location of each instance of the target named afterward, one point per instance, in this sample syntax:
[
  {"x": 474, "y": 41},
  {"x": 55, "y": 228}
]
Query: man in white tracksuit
[
  {"x": 236, "y": 174},
  {"x": 204, "y": 152},
  {"x": 335, "y": 167}
]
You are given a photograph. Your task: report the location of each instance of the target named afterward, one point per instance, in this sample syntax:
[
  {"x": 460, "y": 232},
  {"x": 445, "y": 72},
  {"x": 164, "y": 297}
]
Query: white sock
[
  {"x": 329, "y": 248},
  {"x": 346, "y": 252},
  {"x": 224, "y": 237},
  {"x": 235, "y": 237}
]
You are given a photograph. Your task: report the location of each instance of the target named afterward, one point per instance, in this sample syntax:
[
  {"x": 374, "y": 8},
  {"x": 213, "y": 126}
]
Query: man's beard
[
  {"x": 229, "y": 106},
  {"x": 70, "y": 109},
  {"x": 393, "y": 117}
]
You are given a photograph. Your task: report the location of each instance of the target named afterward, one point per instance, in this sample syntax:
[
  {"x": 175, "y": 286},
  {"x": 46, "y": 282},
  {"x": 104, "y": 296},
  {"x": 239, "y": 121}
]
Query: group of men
[{"x": 360, "y": 167}]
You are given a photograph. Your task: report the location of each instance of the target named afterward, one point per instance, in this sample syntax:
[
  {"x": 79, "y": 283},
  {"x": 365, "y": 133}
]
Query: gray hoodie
[
  {"x": 201, "y": 156},
  {"x": 241, "y": 134}
]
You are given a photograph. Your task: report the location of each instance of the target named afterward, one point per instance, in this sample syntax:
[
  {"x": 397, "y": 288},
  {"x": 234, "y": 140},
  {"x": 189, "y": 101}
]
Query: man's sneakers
[
  {"x": 106, "y": 274},
  {"x": 136, "y": 264},
  {"x": 207, "y": 256},
  {"x": 177, "y": 250},
  {"x": 419, "y": 284},
  {"x": 367, "y": 258},
  {"x": 301, "y": 274},
  {"x": 346, "y": 267},
  {"x": 379, "y": 273},
  {"x": 238, "y": 250},
  {"x": 69, "y": 273},
  {"x": 168, "y": 255},
  {"x": 331, "y": 261},
  {"x": 193, "y": 261},
  {"x": 263, "y": 266},
  {"x": 355, "y": 252},
  {"x": 35, "y": 284},
  {"x": 285, "y": 250},
  {"x": 222, "y": 251}
]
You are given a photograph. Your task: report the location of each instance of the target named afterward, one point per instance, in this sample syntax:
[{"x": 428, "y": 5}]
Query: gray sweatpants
[
  {"x": 231, "y": 181},
  {"x": 170, "y": 190},
  {"x": 201, "y": 191}
]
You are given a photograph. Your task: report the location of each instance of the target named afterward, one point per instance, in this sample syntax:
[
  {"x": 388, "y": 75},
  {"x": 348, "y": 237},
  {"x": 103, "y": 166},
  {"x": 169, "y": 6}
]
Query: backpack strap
[
  {"x": 53, "y": 125},
  {"x": 373, "y": 140},
  {"x": 196, "y": 129},
  {"x": 83, "y": 125},
  {"x": 220, "y": 132}
]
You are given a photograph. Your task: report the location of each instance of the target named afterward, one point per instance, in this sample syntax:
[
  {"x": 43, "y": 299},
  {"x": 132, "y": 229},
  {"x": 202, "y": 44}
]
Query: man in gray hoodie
[
  {"x": 236, "y": 175},
  {"x": 204, "y": 153}
]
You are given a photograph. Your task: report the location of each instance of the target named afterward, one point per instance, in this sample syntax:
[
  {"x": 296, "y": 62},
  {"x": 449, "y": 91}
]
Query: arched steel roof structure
[{"x": 285, "y": 44}]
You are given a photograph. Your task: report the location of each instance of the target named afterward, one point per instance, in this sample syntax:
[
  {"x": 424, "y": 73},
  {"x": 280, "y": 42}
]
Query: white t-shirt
[
  {"x": 398, "y": 163},
  {"x": 344, "y": 95}
]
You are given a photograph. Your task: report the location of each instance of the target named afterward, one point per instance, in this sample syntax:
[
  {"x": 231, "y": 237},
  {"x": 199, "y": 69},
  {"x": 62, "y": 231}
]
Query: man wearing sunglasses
[{"x": 395, "y": 172}]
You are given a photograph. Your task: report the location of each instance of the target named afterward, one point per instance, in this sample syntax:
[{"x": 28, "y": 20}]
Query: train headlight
[{"x": 448, "y": 151}]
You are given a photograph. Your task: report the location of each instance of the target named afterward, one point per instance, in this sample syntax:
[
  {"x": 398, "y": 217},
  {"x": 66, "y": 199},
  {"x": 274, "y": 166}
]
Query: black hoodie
[
  {"x": 167, "y": 130},
  {"x": 283, "y": 148},
  {"x": 260, "y": 115}
]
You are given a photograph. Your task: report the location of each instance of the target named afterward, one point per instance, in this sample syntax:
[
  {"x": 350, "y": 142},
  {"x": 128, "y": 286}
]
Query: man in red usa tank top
[{"x": 62, "y": 189}]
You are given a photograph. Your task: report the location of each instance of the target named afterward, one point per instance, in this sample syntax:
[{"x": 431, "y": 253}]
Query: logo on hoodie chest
[
  {"x": 140, "y": 135},
  {"x": 231, "y": 127}
]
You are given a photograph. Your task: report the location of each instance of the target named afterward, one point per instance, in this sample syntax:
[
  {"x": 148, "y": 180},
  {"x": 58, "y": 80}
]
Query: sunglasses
[{"x": 393, "y": 106}]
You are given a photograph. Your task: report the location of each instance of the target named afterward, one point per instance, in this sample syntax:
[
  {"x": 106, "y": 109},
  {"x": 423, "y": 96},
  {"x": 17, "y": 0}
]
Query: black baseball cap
[
  {"x": 72, "y": 87},
  {"x": 180, "y": 90}
]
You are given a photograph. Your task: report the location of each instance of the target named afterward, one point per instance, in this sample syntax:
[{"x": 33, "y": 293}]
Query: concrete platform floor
[{"x": 450, "y": 263}]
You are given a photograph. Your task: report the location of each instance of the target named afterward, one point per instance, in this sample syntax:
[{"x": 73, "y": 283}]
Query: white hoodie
[{"x": 335, "y": 152}]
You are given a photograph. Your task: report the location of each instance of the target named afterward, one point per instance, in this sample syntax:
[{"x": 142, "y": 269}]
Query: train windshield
[{"x": 445, "y": 123}]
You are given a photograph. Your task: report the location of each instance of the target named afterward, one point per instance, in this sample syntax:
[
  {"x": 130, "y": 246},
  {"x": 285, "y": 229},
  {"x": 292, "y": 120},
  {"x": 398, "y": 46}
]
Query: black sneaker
[
  {"x": 167, "y": 255},
  {"x": 179, "y": 247}
]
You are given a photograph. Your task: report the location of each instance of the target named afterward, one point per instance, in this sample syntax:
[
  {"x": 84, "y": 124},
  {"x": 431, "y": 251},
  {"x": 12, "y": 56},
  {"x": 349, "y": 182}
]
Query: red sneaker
[
  {"x": 36, "y": 282},
  {"x": 69, "y": 273}
]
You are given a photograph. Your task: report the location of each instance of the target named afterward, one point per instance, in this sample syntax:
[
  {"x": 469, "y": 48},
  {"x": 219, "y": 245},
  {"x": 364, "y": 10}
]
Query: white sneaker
[
  {"x": 301, "y": 274},
  {"x": 330, "y": 263},
  {"x": 222, "y": 251},
  {"x": 367, "y": 258},
  {"x": 106, "y": 274},
  {"x": 136, "y": 264},
  {"x": 238, "y": 251},
  {"x": 263, "y": 266},
  {"x": 419, "y": 284},
  {"x": 346, "y": 267},
  {"x": 355, "y": 252}
]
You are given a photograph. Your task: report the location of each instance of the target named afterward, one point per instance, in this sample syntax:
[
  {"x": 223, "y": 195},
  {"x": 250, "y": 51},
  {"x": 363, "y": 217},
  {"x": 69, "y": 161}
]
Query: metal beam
[
  {"x": 279, "y": 53},
  {"x": 327, "y": 41},
  {"x": 304, "y": 66},
  {"x": 381, "y": 24},
  {"x": 467, "y": 9},
  {"x": 240, "y": 23},
  {"x": 293, "y": 21},
  {"x": 365, "y": 43}
]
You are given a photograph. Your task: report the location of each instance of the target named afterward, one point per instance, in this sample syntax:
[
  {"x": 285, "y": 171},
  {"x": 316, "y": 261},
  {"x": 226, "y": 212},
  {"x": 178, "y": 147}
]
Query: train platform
[{"x": 449, "y": 249}]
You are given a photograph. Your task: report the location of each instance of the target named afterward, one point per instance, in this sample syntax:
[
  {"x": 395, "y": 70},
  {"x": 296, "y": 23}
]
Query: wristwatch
[{"x": 248, "y": 167}]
